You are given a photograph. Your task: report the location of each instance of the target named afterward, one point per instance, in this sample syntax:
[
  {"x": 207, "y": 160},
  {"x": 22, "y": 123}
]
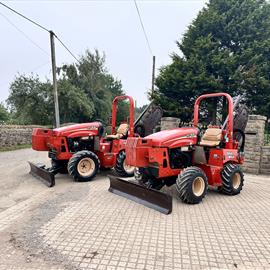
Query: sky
[{"x": 112, "y": 27}]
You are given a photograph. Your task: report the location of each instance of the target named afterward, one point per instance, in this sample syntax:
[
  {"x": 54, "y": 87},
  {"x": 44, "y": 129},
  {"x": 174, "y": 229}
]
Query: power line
[
  {"x": 40, "y": 26},
  {"x": 26, "y": 18},
  {"x": 145, "y": 35},
  {"x": 25, "y": 35},
  {"x": 62, "y": 43}
]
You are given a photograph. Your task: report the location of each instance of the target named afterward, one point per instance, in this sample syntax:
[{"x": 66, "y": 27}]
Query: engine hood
[
  {"x": 92, "y": 128},
  {"x": 176, "y": 137}
]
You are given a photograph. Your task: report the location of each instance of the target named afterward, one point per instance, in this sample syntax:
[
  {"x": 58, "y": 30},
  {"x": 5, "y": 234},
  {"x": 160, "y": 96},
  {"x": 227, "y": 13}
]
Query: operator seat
[
  {"x": 121, "y": 132},
  {"x": 211, "y": 137}
]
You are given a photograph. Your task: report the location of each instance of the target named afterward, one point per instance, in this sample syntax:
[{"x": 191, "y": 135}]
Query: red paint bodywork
[
  {"x": 152, "y": 152},
  {"x": 217, "y": 159},
  {"x": 174, "y": 137},
  {"x": 108, "y": 157},
  {"x": 56, "y": 139}
]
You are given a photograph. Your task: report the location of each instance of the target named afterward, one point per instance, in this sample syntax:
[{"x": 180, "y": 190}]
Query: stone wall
[
  {"x": 169, "y": 122},
  {"x": 11, "y": 135},
  {"x": 257, "y": 158},
  {"x": 265, "y": 160}
]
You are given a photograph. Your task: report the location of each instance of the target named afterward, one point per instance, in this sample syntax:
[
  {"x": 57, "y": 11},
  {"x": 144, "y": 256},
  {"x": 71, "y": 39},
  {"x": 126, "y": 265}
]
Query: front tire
[
  {"x": 121, "y": 168},
  {"x": 192, "y": 185},
  {"x": 83, "y": 166},
  {"x": 232, "y": 179}
]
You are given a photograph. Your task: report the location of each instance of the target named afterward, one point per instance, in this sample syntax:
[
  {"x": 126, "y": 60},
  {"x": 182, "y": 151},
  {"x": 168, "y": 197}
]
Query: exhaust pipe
[{"x": 148, "y": 197}]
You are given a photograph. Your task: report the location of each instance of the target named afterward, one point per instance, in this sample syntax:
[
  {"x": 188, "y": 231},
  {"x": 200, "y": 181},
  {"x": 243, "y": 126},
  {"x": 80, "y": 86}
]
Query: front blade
[
  {"x": 149, "y": 197},
  {"x": 42, "y": 174}
]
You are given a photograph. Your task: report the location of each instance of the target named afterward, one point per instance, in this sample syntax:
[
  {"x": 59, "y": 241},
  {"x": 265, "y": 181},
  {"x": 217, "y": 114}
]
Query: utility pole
[
  {"x": 153, "y": 73},
  {"x": 55, "y": 94}
]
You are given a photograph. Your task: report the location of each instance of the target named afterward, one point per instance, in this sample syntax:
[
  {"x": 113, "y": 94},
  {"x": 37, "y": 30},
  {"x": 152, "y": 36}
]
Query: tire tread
[
  {"x": 226, "y": 175},
  {"x": 119, "y": 169},
  {"x": 72, "y": 164},
  {"x": 183, "y": 182}
]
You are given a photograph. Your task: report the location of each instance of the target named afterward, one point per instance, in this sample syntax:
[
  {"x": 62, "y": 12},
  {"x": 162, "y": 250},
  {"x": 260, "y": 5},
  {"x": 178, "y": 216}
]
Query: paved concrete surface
[{"x": 83, "y": 226}]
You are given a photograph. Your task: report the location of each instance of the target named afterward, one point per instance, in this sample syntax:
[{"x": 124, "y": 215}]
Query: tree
[
  {"x": 4, "y": 115},
  {"x": 73, "y": 103},
  {"x": 225, "y": 49},
  {"x": 100, "y": 87},
  {"x": 85, "y": 93},
  {"x": 30, "y": 100}
]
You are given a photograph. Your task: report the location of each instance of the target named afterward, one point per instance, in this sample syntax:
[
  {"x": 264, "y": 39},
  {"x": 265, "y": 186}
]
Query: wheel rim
[
  {"x": 236, "y": 180},
  {"x": 198, "y": 186},
  {"x": 86, "y": 167},
  {"x": 129, "y": 169}
]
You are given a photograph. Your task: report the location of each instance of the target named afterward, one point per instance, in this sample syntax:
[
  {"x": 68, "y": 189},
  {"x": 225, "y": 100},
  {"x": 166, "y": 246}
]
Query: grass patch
[{"x": 15, "y": 147}]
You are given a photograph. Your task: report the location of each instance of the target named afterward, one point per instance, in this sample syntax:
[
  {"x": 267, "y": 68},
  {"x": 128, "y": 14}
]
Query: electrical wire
[
  {"x": 25, "y": 35},
  {"x": 26, "y": 18},
  {"x": 62, "y": 43},
  {"x": 40, "y": 26},
  {"x": 141, "y": 21}
]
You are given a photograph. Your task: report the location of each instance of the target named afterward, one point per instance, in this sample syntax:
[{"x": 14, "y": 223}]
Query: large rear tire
[
  {"x": 83, "y": 166},
  {"x": 192, "y": 185},
  {"x": 121, "y": 168},
  {"x": 232, "y": 179}
]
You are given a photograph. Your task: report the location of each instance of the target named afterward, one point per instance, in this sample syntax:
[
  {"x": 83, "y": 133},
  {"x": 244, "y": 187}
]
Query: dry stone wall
[{"x": 11, "y": 135}]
